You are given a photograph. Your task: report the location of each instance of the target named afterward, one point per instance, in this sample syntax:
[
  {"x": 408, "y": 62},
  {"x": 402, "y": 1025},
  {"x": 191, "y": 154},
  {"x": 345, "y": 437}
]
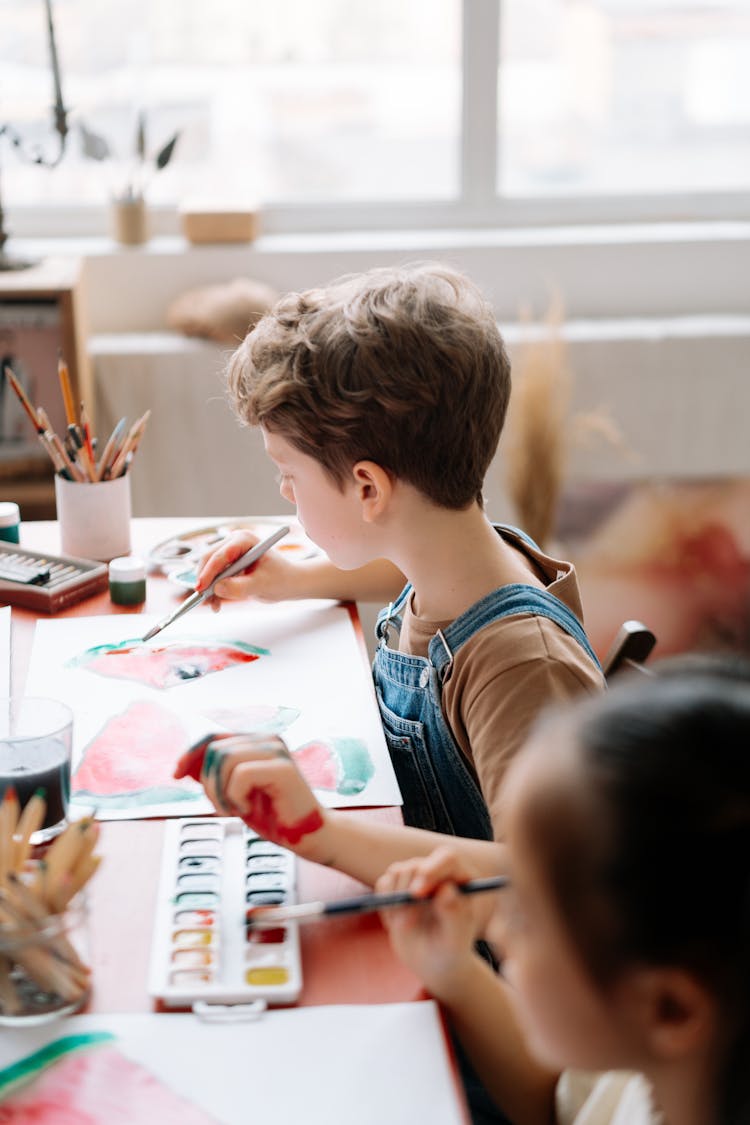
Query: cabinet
[{"x": 41, "y": 314}]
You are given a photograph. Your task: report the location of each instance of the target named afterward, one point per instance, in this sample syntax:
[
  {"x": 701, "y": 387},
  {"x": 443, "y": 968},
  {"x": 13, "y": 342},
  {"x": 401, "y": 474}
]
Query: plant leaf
[
  {"x": 140, "y": 136},
  {"x": 93, "y": 145},
  {"x": 165, "y": 155}
]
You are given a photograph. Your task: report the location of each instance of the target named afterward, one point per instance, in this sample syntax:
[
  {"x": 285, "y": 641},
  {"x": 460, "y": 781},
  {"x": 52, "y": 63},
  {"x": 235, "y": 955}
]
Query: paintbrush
[
  {"x": 259, "y": 917},
  {"x": 240, "y": 564}
]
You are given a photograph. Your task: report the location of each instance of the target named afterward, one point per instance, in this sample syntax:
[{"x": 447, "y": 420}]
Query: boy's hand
[
  {"x": 270, "y": 579},
  {"x": 436, "y": 938},
  {"x": 253, "y": 776}
]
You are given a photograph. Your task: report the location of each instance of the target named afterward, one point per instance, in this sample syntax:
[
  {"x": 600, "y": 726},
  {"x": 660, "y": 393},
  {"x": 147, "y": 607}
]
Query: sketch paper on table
[
  {"x": 5, "y": 651},
  {"x": 331, "y": 1050},
  {"x": 294, "y": 669}
]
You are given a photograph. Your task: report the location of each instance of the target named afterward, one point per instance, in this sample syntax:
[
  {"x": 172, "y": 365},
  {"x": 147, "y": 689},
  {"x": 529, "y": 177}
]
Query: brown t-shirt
[{"x": 506, "y": 674}]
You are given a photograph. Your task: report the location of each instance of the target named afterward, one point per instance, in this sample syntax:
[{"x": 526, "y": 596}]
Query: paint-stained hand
[
  {"x": 436, "y": 938},
  {"x": 253, "y": 776},
  {"x": 271, "y": 579}
]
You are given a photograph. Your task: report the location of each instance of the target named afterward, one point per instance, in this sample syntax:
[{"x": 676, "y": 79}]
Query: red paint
[
  {"x": 191, "y": 762},
  {"x": 101, "y": 1084},
  {"x": 168, "y": 665},
  {"x": 318, "y": 764},
  {"x": 262, "y": 818},
  {"x": 264, "y": 937},
  {"x": 132, "y": 752}
]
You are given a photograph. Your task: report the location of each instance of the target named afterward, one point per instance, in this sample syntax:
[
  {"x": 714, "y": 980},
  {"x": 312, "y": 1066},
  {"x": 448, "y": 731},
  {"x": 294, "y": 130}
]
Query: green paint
[
  {"x": 28, "y": 1068},
  {"x": 356, "y": 765},
  {"x": 133, "y": 642},
  {"x": 138, "y": 798}
]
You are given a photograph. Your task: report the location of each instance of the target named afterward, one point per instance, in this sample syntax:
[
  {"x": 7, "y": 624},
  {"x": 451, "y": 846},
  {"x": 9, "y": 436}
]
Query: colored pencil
[
  {"x": 110, "y": 448},
  {"x": 29, "y": 822},
  {"x": 87, "y": 452},
  {"x": 59, "y": 455},
  {"x": 263, "y": 916},
  {"x": 30, "y": 410},
  {"x": 8, "y": 820},
  {"x": 67, "y": 391}
]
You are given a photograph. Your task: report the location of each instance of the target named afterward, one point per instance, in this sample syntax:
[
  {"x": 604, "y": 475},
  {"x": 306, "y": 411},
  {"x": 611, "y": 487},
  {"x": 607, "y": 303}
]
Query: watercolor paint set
[
  {"x": 47, "y": 583},
  {"x": 214, "y": 872}
]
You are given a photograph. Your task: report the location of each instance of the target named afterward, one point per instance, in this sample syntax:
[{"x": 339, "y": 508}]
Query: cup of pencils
[
  {"x": 92, "y": 481},
  {"x": 44, "y": 970},
  {"x": 94, "y": 518}
]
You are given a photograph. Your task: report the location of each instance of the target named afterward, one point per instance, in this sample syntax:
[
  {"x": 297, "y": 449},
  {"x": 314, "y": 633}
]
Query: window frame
[{"x": 478, "y": 205}]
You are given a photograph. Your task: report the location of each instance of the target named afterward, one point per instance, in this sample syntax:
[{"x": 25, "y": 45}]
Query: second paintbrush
[{"x": 261, "y": 917}]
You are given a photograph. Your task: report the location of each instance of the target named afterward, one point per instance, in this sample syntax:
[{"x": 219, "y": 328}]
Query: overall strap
[
  {"x": 501, "y": 527},
  {"x": 390, "y": 615},
  {"x": 507, "y": 601}
]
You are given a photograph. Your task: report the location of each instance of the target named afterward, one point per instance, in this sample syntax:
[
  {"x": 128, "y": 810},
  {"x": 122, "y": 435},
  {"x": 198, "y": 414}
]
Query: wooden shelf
[{"x": 54, "y": 287}]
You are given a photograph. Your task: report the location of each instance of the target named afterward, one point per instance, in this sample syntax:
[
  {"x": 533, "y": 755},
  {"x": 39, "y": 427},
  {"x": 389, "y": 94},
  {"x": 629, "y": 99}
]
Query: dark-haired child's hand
[{"x": 436, "y": 938}]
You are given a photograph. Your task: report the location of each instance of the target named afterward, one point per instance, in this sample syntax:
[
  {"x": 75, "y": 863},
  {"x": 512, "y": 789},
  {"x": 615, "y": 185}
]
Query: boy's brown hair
[{"x": 404, "y": 367}]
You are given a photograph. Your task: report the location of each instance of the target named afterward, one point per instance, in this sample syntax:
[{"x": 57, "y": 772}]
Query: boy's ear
[
  {"x": 374, "y": 487},
  {"x": 676, "y": 1013}
]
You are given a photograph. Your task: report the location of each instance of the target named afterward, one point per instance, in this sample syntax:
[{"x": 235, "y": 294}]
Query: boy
[{"x": 381, "y": 400}]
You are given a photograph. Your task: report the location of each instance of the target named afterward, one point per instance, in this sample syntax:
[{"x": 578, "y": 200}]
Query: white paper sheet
[
  {"x": 5, "y": 650},
  {"x": 380, "y": 1064},
  {"x": 309, "y": 683}
]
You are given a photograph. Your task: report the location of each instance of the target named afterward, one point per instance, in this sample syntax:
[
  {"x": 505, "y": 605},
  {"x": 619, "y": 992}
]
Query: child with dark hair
[{"x": 626, "y": 927}]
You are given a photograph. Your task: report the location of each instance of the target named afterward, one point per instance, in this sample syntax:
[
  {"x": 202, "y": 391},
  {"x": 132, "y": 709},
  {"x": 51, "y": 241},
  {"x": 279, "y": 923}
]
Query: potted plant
[{"x": 129, "y": 199}]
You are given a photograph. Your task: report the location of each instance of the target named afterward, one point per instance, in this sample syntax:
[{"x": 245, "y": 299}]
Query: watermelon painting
[
  {"x": 165, "y": 665},
  {"x": 342, "y": 765},
  {"x": 130, "y": 761},
  {"x": 85, "y": 1078}
]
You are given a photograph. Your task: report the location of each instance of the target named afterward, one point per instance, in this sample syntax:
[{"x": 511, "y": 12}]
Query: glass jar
[{"x": 44, "y": 970}]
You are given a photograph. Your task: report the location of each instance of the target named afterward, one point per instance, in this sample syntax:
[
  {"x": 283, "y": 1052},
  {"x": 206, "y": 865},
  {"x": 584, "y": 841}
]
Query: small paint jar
[
  {"x": 10, "y": 522},
  {"x": 127, "y": 580}
]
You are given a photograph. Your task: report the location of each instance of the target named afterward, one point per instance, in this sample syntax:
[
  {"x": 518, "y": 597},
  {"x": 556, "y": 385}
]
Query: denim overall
[{"x": 439, "y": 788}]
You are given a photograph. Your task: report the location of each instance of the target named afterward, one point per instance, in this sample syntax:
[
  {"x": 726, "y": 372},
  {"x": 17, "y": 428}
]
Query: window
[
  {"x": 425, "y": 112},
  {"x": 623, "y": 97}
]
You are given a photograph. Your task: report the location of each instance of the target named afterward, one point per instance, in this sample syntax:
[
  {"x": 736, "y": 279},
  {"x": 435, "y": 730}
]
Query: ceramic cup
[{"x": 94, "y": 519}]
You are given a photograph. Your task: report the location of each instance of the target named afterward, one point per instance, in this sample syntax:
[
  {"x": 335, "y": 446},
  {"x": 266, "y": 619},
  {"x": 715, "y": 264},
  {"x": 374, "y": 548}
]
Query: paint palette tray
[
  {"x": 213, "y": 871},
  {"x": 47, "y": 583},
  {"x": 183, "y": 553}
]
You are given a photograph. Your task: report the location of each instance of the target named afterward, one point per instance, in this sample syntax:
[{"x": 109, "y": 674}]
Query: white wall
[{"x": 657, "y": 335}]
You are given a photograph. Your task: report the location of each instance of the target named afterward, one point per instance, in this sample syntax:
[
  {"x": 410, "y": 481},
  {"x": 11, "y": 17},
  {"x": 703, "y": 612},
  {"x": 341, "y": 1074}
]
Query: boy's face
[
  {"x": 330, "y": 515},
  {"x": 569, "y": 1021}
]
